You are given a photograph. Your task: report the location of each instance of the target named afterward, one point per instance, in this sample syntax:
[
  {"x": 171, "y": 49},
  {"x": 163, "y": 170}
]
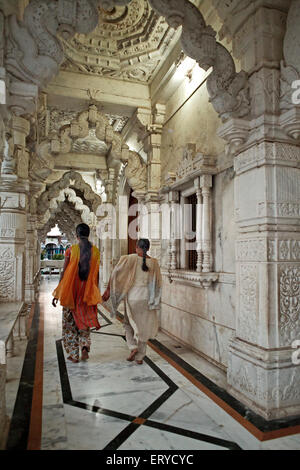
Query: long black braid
[
  {"x": 82, "y": 232},
  {"x": 144, "y": 244}
]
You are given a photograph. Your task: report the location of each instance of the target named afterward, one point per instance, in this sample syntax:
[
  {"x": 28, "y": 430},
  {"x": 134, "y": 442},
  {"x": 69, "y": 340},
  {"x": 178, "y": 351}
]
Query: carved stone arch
[
  {"x": 66, "y": 216},
  {"x": 69, "y": 195},
  {"x": 43, "y": 202},
  {"x": 228, "y": 90}
]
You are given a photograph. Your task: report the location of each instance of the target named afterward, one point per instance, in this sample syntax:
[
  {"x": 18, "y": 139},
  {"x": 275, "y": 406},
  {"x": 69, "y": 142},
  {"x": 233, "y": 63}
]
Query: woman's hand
[
  {"x": 106, "y": 295},
  {"x": 54, "y": 302}
]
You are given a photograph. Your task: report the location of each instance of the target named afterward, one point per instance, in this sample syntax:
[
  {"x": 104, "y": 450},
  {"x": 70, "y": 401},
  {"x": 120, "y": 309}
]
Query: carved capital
[{"x": 33, "y": 52}]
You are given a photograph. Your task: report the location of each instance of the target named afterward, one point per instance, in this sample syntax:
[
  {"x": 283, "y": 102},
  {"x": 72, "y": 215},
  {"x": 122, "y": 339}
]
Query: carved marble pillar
[
  {"x": 153, "y": 148},
  {"x": 32, "y": 244},
  {"x": 261, "y": 372},
  {"x": 30, "y": 258},
  {"x": 199, "y": 226},
  {"x": 206, "y": 184},
  {"x": 107, "y": 260},
  {"x": 141, "y": 224},
  {"x": 154, "y": 226},
  {"x": 173, "y": 201},
  {"x": 13, "y": 207}
]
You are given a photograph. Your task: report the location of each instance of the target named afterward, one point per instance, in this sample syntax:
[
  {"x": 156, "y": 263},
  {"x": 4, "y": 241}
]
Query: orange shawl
[{"x": 64, "y": 290}]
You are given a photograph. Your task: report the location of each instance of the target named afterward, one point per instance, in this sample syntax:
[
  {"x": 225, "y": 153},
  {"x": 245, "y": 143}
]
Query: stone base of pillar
[{"x": 264, "y": 380}]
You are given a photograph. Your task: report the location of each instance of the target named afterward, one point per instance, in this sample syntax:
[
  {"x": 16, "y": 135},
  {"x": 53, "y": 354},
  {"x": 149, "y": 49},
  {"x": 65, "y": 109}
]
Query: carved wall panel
[
  {"x": 7, "y": 274},
  {"x": 289, "y": 303},
  {"x": 248, "y": 300}
]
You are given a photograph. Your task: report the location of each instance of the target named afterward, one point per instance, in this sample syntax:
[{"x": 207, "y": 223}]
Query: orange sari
[{"x": 81, "y": 297}]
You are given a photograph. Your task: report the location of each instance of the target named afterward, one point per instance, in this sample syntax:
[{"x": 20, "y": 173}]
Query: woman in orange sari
[{"x": 79, "y": 295}]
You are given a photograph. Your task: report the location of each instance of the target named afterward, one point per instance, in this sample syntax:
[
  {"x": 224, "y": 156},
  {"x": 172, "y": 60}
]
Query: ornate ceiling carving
[{"x": 128, "y": 44}]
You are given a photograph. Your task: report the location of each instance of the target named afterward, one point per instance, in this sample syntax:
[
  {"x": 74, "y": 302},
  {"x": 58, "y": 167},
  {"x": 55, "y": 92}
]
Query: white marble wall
[{"x": 205, "y": 318}]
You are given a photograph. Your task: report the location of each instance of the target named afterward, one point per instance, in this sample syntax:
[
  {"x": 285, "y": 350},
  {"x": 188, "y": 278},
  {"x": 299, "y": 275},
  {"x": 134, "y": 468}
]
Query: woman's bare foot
[
  {"x": 72, "y": 359},
  {"x": 131, "y": 356},
  {"x": 84, "y": 354},
  {"x": 139, "y": 361}
]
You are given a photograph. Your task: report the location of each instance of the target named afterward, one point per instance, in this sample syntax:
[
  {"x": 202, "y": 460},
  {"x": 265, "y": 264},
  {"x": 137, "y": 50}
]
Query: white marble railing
[
  {"x": 12, "y": 321},
  {"x": 52, "y": 264}
]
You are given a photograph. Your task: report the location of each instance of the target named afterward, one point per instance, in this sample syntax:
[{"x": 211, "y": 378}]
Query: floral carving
[
  {"x": 289, "y": 304},
  {"x": 247, "y": 328},
  {"x": 7, "y": 274},
  {"x": 252, "y": 250}
]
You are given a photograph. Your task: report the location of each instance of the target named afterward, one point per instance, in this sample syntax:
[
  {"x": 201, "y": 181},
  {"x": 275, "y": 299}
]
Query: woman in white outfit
[{"x": 137, "y": 280}]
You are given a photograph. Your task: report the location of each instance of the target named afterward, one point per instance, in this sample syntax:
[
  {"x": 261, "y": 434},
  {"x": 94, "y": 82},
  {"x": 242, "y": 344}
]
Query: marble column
[
  {"x": 206, "y": 184},
  {"x": 14, "y": 187},
  {"x": 31, "y": 262},
  {"x": 173, "y": 201},
  {"x": 199, "y": 226},
  {"x": 153, "y": 148},
  {"x": 261, "y": 372},
  {"x": 107, "y": 260}
]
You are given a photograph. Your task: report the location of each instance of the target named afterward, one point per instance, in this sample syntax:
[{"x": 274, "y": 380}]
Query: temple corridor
[
  {"x": 109, "y": 403},
  {"x": 162, "y": 129}
]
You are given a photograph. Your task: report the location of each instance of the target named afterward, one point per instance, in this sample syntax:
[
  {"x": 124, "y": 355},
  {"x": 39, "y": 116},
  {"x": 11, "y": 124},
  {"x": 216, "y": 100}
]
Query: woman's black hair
[
  {"x": 144, "y": 244},
  {"x": 82, "y": 232}
]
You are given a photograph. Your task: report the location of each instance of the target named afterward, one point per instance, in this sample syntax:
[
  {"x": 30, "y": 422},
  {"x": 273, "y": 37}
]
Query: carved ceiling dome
[{"x": 128, "y": 44}]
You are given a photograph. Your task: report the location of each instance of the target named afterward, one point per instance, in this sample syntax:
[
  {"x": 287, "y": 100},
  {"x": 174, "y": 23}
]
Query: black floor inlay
[
  {"x": 258, "y": 421},
  {"x": 133, "y": 426},
  {"x": 20, "y": 422}
]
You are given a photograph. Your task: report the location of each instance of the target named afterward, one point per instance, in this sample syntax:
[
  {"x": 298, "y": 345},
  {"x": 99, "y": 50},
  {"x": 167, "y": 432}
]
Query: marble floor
[{"x": 109, "y": 403}]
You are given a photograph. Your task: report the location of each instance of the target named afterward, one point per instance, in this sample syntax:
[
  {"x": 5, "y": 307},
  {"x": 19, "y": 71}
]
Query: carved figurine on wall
[
  {"x": 9, "y": 161},
  {"x": 136, "y": 172}
]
